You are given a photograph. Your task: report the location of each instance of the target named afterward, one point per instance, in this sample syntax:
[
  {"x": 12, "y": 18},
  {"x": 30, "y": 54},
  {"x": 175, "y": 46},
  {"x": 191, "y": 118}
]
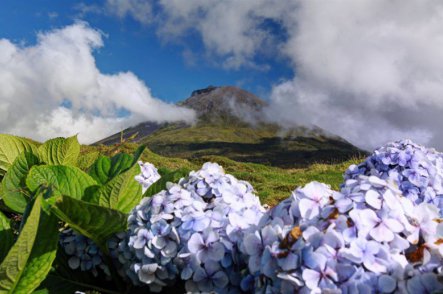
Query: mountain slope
[{"x": 230, "y": 123}]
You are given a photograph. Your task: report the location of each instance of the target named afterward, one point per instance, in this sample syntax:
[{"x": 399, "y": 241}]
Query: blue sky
[{"x": 132, "y": 46}]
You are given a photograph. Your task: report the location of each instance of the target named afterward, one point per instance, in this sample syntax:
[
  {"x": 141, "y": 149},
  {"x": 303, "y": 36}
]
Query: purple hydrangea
[
  {"x": 417, "y": 170},
  {"x": 83, "y": 254},
  {"x": 148, "y": 176},
  {"x": 369, "y": 237},
  {"x": 191, "y": 231}
]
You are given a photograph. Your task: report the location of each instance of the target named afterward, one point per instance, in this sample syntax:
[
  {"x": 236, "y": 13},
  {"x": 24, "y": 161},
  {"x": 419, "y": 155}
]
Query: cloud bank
[
  {"x": 54, "y": 88},
  {"x": 370, "y": 71}
]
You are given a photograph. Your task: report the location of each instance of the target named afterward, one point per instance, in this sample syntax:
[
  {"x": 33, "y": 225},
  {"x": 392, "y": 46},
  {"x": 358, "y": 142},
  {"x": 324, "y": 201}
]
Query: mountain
[{"x": 230, "y": 123}]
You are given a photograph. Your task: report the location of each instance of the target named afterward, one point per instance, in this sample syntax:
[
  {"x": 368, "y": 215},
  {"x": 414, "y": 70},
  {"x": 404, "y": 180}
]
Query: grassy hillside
[
  {"x": 261, "y": 144},
  {"x": 272, "y": 184},
  {"x": 231, "y": 123}
]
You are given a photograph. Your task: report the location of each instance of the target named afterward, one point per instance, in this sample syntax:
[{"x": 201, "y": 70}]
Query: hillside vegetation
[{"x": 272, "y": 184}]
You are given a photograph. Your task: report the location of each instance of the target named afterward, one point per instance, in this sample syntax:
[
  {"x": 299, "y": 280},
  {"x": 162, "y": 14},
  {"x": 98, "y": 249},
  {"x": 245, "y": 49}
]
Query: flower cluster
[
  {"x": 417, "y": 170},
  {"x": 149, "y": 175},
  {"x": 367, "y": 238},
  {"x": 191, "y": 231},
  {"x": 83, "y": 253}
]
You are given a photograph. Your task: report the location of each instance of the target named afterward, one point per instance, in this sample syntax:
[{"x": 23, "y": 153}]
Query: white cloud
[
  {"x": 37, "y": 80},
  {"x": 140, "y": 10},
  {"x": 371, "y": 71},
  {"x": 231, "y": 30}
]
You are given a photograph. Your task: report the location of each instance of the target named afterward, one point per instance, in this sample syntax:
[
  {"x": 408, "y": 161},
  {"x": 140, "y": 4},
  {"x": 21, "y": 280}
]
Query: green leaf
[
  {"x": 29, "y": 260},
  {"x": 10, "y": 148},
  {"x": 6, "y": 236},
  {"x": 67, "y": 180},
  {"x": 15, "y": 193},
  {"x": 93, "y": 221},
  {"x": 122, "y": 193},
  {"x": 85, "y": 161},
  {"x": 120, "y": 163},
  {"x": 138, "y": 153},
  {"x": 99, "y": 171},
  {"x": 42, "y": 255},
  {"x": 160, "y": 185},
  {"x": 105, "y": 169},
  {"x": 60, "y": 151}
]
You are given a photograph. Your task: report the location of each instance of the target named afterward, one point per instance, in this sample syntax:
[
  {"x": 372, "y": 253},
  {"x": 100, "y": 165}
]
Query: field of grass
[{"x": 272, "y": 184}]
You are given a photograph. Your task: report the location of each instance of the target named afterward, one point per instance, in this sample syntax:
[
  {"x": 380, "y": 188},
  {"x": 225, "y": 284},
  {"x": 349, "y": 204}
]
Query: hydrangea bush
[{"x": 381, "y": 233}]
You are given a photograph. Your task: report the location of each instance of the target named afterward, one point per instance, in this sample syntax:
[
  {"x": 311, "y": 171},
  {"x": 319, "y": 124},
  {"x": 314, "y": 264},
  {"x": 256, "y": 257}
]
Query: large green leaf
[
  {"x": 85, "y": 161},
  {"x": 29, "y": 260},
  {"x": 172, "y": 177},
  {"x": 10, "y": 148},
  {"x": 67, "y": 180},
  {"x": 120, "y": 163},
  {"x": 93, "y": 221},
  {"x": 105, "y": 169},
  {"x": 15, "y": 193},
  {"x": 60, "y": 151},
  {"x": 122, "y": 192},
  {"x": 42, "y": 255},
  {"x": 99, "y": 170},
  {"x": 6, "y": 236}
]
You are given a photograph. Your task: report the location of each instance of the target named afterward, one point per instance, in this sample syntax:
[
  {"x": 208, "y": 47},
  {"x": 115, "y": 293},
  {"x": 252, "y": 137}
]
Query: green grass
[
  {"x": 272, "y": 184},
  {"x": 210, "y": 133}
]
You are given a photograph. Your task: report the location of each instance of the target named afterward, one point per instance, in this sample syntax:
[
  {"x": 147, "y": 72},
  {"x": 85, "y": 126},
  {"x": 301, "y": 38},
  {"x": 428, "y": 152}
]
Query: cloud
[
  {"x": 140, "y": 10},
  {"x": 370, "y": 71},
  {"x": 54, "y": 88},
  {"x": 233, "y": 32}
]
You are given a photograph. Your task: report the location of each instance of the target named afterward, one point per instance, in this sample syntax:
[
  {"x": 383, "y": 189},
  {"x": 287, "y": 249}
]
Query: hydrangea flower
[
  {"x": 416, "y": 170},
  {"x": 148, "y": 176},
  {"x": 83, "y": 254},
  {"x": 369, "y": 237},
  {"x": 191, "y": 231}
]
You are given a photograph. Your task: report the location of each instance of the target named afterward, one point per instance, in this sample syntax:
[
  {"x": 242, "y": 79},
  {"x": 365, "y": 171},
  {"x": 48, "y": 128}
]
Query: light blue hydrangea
[
  {"x": 417, "y": 170},
  {"x": 191, "y": 231},
  {"x": 148, "y": 176},
  {"x": 82, "y": 253},
  {"x": 367, "y": 238}
]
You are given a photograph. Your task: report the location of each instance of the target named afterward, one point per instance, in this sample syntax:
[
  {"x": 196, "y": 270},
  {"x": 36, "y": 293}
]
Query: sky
[{"x": 370, "y": 71}]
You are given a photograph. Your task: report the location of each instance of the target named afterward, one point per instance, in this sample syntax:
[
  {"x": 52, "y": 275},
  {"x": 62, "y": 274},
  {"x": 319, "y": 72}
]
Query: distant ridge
[{"x": 230, "y": 123}]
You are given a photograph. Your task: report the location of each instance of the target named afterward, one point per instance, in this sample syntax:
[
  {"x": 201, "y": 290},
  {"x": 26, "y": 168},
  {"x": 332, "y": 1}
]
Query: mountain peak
[
  {"x": 203, "y": 91},
  {"x": 224, "y": 102}
]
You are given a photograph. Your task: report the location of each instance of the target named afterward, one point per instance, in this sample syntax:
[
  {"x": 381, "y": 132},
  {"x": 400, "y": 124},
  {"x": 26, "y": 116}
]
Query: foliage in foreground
[
  {"x": 49, "y": 187},
  {"x": 71, "y": 222}
]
